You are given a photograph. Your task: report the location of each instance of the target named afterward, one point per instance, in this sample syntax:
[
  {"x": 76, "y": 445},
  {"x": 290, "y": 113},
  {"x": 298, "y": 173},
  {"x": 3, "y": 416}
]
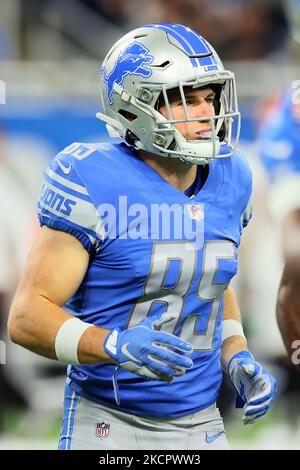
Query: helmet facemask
[
  {"x": 224, "y": 125},
  {"x": 165, "y": 140}
]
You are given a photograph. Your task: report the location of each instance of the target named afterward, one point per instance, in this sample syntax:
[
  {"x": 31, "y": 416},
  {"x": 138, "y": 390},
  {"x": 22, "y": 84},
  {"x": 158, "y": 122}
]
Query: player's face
[{"x": 200, "y": 104}]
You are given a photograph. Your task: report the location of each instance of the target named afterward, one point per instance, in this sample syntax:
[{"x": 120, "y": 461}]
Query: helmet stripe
[
  {"x": 168, "y": 29},
  {"x": 199, "y": 44},
  {"x": 192, "y": 43}
]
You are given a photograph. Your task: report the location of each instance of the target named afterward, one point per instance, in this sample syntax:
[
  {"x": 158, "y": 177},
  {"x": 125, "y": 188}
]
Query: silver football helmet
[{"x": 137, "y": 74}]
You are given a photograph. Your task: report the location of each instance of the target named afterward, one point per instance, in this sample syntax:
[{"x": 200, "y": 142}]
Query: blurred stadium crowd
[
  {"x": 239, "y": 29},
  {"x": 50, "y": 52}
]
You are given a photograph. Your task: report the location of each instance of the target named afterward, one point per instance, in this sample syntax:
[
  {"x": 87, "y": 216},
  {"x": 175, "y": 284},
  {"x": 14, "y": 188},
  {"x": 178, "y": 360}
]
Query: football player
[
  {"x": 288, "y": 300},
  {"x": 280, "y": 144},
  {"x": 139, "y": 244}
]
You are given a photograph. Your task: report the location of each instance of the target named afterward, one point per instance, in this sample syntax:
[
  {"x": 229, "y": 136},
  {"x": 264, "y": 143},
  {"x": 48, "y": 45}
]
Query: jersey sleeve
[
  {"x": 66, "y": 205},
  {"x": 247, "y": 214}
]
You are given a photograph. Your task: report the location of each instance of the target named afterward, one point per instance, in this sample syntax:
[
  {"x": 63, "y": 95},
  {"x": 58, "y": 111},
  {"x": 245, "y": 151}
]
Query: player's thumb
[
  {"x": 158, "y": 322},
  {"x": 248, "y": 369}
]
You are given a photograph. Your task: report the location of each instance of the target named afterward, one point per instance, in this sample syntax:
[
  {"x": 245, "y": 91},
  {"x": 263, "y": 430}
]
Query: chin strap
[{"x": 114, "y": 128}]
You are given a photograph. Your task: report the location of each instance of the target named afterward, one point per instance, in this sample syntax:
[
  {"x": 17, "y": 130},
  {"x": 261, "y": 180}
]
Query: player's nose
[
  {"x": 204, "y": 109},
  {"x": 208, "y": 109}
]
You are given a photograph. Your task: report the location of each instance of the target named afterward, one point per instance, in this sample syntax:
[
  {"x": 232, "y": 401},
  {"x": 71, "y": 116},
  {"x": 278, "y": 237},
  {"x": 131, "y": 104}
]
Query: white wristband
[
  {"x": 67, "y": 339},
  {"x": 232, "y": 328}
]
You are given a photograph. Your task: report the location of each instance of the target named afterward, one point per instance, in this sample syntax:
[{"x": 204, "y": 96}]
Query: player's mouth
[{"x": 205, "y": 134}]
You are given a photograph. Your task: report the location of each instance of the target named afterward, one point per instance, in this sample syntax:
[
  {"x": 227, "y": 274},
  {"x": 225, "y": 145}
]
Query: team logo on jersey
[
  {"x": 131, "y": 61},
  {"x": 102, "y": 429},
  {"x": 195, "y": 211}
]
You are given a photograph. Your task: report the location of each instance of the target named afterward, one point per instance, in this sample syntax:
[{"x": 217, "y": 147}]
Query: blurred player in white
[{"x": 148, "y": 313}]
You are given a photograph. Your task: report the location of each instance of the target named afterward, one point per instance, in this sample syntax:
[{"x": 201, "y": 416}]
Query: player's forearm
[
  {"x": 288, "y": 308},
  {"x": 231, "y": 311},
  {"x": 232, "y": 346},
  {"x": 34, "y": 322},
  {"x": 291, "y": 244}
]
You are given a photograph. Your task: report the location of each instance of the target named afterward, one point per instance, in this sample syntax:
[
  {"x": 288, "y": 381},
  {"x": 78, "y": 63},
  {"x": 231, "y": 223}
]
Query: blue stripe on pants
[{"x": 70, "y": 405}]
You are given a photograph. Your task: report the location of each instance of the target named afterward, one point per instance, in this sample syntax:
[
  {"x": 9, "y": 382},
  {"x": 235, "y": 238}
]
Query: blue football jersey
[
  {"x": 280, "y": 141},
  {"x": 153, "y": 251}
]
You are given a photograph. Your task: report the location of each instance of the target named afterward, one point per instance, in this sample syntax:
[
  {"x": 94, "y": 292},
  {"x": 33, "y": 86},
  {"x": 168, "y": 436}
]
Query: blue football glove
[
  {"x": 146, "y": 351},
  {"x": 256, "y": 388}
]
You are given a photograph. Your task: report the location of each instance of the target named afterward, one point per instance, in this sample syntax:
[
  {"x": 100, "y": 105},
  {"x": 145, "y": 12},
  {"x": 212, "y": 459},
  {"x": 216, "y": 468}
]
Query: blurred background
[{"x": 50, "y": 56}]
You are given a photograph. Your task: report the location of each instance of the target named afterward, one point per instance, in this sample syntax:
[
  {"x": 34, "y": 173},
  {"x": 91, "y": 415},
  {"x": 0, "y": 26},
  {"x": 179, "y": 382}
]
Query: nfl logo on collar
[{"x": 102, "y": 429}]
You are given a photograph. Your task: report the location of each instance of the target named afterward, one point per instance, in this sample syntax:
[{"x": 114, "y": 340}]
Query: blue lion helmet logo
[{"x": 131, "y": 61}]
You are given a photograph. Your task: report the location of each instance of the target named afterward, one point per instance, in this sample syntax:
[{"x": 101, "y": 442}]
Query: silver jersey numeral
[{"x": 173, "y": 298}]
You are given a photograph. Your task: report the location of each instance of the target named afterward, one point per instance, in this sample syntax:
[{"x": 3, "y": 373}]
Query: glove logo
[
  {"x": 130, "y": 62},
  {"x": 126, "y": 353}
]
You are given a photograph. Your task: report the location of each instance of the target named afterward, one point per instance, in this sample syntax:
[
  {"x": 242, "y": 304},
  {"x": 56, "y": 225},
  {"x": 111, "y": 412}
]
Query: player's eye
[
  {"x": 210, "y": 100},
  {"x": 190, "y": 101}
]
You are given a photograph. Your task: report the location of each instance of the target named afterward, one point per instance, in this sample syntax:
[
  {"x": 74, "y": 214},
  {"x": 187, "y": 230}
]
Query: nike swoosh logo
[
  {"x": 128, "y": 354},
  {"x": 65, "y": 169},
  {"x": 212, "y": 437}
]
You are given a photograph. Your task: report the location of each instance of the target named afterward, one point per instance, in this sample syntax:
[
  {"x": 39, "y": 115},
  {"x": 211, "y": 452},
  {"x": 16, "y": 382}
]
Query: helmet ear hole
[{"x": 127, "y": 115}]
